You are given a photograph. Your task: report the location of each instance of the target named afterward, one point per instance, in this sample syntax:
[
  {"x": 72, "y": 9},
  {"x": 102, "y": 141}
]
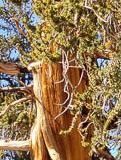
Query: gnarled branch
[
  {"x": 15, "y": 145},
  {"x": 104, "y": 154},
  {"x": 14, "y": 103},
  {"x": 26, "y": 89},
  {"x": 11, "y": 68},
  {"x": 18, "y": 26}
]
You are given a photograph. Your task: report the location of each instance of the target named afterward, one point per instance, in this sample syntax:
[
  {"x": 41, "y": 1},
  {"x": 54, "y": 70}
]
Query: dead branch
[
  {"x": 9, "y": 68},
  {"x": 15, "y": 145},
  {"x": 45, "y": 127},
  {"x": 12, "y": 68},
  {"x": 15, "y": 103},
  {"x": 102, "y": 55},
  {"x": 104, "y": 154},
  {"x": 34, "y": 65},
  {"x": 18, "y": 26},
  {"x": 27, "y": 88},
  {"x": 14, "y": 89}
]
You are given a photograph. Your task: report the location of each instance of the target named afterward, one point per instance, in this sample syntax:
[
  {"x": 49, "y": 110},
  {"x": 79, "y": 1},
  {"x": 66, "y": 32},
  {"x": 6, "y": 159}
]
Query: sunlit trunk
[{"x": 47, "y": 143}]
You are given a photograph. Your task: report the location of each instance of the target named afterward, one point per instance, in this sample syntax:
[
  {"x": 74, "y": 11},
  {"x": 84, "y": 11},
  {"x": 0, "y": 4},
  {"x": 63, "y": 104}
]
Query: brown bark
[
  {"x": 104, "y": 154},
  {"x": 9, "y": 68},
  {"x": 12, "y": 69},
  {"x": 43, "y": 144},
  {"x": 47, "y": 143}
]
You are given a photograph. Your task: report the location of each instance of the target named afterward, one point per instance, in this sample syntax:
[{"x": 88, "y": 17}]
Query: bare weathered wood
[
  {"x": 18, "y": 26},
  {"x": 12, "y": 68},
  {"x": 42, "y": 135},
  {"x": 38, "y": 148},
  {"x": 9, "y": 68},
  {"x": 46, "y": 142},
  {"x": 26, "y": 88},
  {"x": 15, "y": 145},
  {"x": 52, "y": 94},
  {"x": 104, "y": 154},
  {"x": 12, "y": 104}
]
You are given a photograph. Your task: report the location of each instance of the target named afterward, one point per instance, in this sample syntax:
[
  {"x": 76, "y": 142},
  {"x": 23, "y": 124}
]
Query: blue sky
[
  {"x": 16, "y": 54},
  {"x": 1, "y": 2}
]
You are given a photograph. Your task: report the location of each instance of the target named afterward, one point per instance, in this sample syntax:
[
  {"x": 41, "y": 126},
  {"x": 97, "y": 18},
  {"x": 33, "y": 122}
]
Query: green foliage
[
  {"x": 15, "y": 124},
  {"x": 16, "y": 121},
  {"x": 75, "y": 28},
  {"x": 71, "y": 27}
]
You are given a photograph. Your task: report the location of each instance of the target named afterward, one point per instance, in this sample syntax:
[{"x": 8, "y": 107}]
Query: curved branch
[
  {"x": 18, "y": 26},
  {"x": 104, "y": 154},
  {"x": 14, "y": 103},
  {"x": 98, "y": 16},
  {"x": 15, "y": 145},
  {"x": 102, "y": 55},
  {"x": 13, "y": 89},
  {"x": 26, "y": 89},
  {"x": 11, "y": 68}
]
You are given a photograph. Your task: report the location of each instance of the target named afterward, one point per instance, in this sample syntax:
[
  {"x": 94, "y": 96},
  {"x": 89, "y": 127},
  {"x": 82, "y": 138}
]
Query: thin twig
[
  {"x": 18, "y": 26},
  {"x": 13, "y": 89},
  {"x": 88, "y": 7},
  {"x": 80, "y": 79},
  {"x": 71, "y": 99},
  {"x": 7, "y": 108}
]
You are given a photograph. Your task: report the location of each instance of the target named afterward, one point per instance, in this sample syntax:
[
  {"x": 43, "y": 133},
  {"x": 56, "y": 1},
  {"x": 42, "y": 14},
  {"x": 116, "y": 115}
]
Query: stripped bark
[
  {"x": 42, "y": 134},
  {"x": 15, "y": 145},
  {"x": 12, "y": 69},
  {"x": 46, "y": 142},
  {"x": 26, "y": 89}
]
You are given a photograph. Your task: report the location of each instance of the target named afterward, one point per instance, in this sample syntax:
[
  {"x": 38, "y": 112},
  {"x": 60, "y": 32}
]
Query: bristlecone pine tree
[{"x": 74, "y": 54}]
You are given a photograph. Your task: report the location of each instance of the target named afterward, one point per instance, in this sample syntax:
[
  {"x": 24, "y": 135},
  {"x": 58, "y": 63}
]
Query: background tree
[
  {"x": 16, "y": 124},
  {"x": 73, "y": 94}
]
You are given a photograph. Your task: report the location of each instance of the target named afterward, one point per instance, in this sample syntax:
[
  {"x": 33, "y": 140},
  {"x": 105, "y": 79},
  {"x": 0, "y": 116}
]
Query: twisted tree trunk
[{"x": 46, "y": 142}]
